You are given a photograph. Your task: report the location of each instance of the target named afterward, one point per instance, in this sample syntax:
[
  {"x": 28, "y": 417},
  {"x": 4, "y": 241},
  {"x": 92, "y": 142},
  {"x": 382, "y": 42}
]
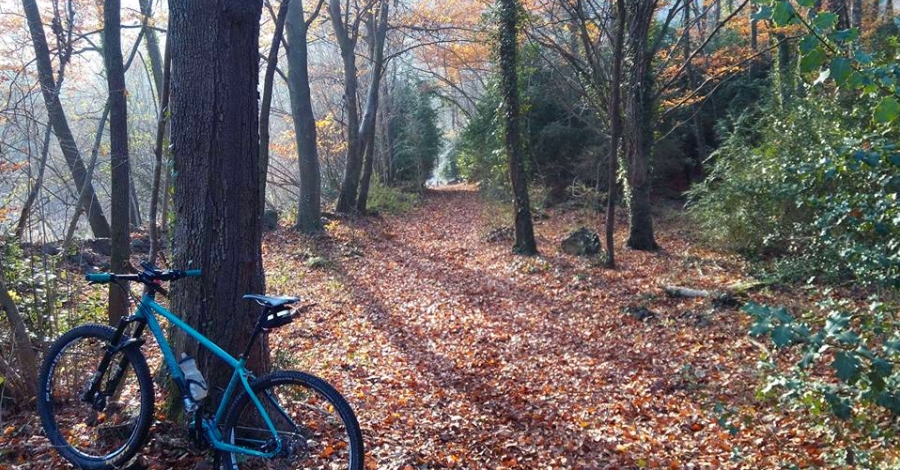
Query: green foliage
[
  {"x": 859, "y": 348},
  {"x": 819, "y": 184},
  {"x": 390, "y": 200},
  {"x": 830, "y": 208},
  {"x": 480, "y": 155},
  {"x": 416, "y": 139},
  {"x": 560, "y": 141}
]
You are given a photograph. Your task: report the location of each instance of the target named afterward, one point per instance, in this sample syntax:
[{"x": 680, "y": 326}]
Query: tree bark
[
  {"x": 36, "y": 188},
  {"x": 57, "y": 117},
  {"x": 25, "y": 356},
  {"x": 82, "y": 196},
  {"x": 638, "y": 125},
  {"x": 856, "y": 14},
  {"x": 509, "y": 22},
  {"x": 215, "y": 143},
  {"x": 152, "y": 43},
  {"x": 615, "y": 118},
  {"x": 158, "y": 151},
  {"x": 839, "y": 7},
  {"x": 266, "y": 104},
  {"x": 309, "y": 207},
  {"x": 120, "y": 172},
  {"x": 346, "y": 39},
  {"x": 367, "y": 129},
  {"x": 693, "y": 81}
]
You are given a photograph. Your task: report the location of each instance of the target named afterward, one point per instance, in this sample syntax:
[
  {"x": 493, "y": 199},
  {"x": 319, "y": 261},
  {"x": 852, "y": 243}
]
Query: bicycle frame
[{"x": 146, "y": 313}]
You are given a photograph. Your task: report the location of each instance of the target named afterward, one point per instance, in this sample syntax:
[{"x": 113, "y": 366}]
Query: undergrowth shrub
[{"x": 390, "y": 200}]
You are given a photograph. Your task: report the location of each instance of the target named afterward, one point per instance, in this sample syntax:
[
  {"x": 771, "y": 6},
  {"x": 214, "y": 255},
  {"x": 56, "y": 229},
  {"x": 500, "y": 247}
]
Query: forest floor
[{"x": 455, "y": 353}]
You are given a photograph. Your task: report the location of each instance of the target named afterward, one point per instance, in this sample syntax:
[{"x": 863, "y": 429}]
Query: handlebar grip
[
  {"x": 192, "y": 273},
  {"x": 99, "y": 277}
]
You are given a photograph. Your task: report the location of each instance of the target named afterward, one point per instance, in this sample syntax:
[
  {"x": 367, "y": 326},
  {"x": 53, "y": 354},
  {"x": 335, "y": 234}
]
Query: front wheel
[
  {"x": 315, "y": 425},
  {"x": 103, "y": 430}
]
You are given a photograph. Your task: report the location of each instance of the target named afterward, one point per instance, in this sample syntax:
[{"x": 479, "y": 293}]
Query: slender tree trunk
[
  {"x": 347, "y": 41},
  {"x": 152, "y": 43},
  {"x": 215, "y": 142},
  {"x": 135, "y": 205},
  {"x": 754, "y": 28},
  {"x": 638, "y": 127},
  {"x": 889, "y": 10},
  {"x": 82, "y": 196},
  {"x": 785, "y": 69},
  {"x": 509, "y": 13},
  {"x": 266, "y": 104},
  {"x": 839, "y": 7},
  {"x": 309, "y": 207},
  {"x": 856, "y": 14},
  {"x": 36, "y": 187},
  {"x": 615, "y": 118},
  {"x": 367, "y": 129},
  {"x": 57, "y": 117},
  {"x": 693, "y": 81},
  {"x": 120, "y": 169},
  {"x": 27, "y": 361},
  {"x": 158, "y": 151}
]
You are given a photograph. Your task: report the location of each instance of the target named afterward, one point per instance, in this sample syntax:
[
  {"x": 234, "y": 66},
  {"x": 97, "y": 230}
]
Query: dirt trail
[{"x": 457, "y": 353}]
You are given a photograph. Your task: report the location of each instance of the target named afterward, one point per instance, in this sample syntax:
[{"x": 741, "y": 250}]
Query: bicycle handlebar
[{"x": 149, "y": 276}]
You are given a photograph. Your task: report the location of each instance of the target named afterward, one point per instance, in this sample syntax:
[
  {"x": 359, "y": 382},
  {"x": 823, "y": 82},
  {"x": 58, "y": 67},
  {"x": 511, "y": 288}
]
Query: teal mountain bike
[{"x": 96, "y": 395}]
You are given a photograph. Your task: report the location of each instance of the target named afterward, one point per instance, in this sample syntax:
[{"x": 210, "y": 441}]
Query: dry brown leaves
[{"x": 455, "y": 353}]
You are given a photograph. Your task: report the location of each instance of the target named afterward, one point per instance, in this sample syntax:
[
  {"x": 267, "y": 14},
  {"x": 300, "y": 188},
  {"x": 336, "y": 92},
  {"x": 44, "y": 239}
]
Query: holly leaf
[
  {"x": 882, "y": 367},
  {"x": 847, "y": 337},
  {"x": 846, "y": 366},
  {"x": 761, "y": 327},
  {"x": 887, "y": 110},
  {"x": 782, "y": 335},
  {"x": 825, "y": 21},
  {"x": 840, "y": 406},
  {"x": 783, "y": 13},
  {"x": 764, "y": 13},
  {"x": 813, "y": 60},
  {"x": 840, "y": 70}
]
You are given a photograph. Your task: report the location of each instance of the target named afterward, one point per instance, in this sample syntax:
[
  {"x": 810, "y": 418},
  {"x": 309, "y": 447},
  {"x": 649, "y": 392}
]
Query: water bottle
[{"x": 192, "y": 377}]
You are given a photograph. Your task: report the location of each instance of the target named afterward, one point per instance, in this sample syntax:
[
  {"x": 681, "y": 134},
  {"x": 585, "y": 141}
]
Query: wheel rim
[
  {"x": 101, "y": 429},
  {"x": 312, "y": 432}
]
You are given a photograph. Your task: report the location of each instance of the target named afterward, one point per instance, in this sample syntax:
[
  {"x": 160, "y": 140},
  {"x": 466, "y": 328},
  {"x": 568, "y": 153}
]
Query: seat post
[{"x": 256, "y": 331}]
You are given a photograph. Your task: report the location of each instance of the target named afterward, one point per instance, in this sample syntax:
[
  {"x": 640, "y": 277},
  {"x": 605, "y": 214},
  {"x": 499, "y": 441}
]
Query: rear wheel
[
  {"x": 315, "y": 425},
  {"x": 102, "y": 431}
]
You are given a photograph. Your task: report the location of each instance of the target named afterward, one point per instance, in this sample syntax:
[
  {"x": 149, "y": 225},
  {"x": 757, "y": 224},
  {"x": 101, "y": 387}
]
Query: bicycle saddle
[{"x": 271, "y": 302}]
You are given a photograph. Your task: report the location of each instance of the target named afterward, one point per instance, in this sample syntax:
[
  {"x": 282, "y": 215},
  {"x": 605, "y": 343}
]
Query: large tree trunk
[
  {"x": 57, "y": 117},
  {"x": 367, "y": 129},
  {"x": 309, "y": 208},
  {"x": 615, "y": 118},
  {"x": 347, "y": 41},
  {"x": 509, "y": 12},
  {"x": 266, "y": 104},
  {"x": 215, "y": 143},
  {"x": 638, "y": 125},
  {"x": 120, "y": 172}
]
